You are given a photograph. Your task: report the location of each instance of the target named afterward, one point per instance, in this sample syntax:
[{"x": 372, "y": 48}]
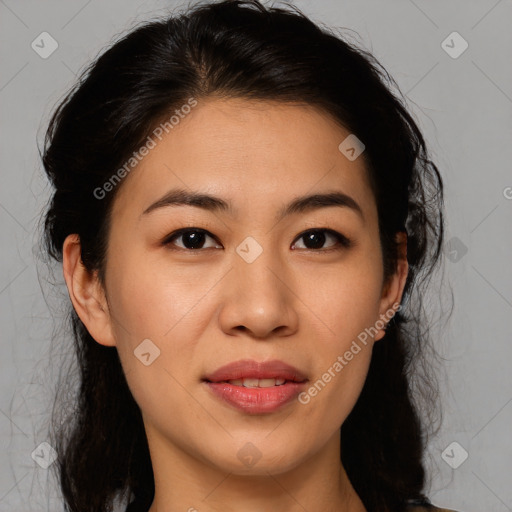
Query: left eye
[
  {"x": 194, "y": 239},
  {"x": 316, "y": 238}
]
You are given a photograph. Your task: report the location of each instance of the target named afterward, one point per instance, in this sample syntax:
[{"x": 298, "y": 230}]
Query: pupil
[
  {"x": 196, "y": 239},
  {"x": 317, "y": 237}
]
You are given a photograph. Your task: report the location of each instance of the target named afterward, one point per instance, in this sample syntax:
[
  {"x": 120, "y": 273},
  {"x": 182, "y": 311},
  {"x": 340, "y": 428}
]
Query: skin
[{"x": 206, "y": 308}]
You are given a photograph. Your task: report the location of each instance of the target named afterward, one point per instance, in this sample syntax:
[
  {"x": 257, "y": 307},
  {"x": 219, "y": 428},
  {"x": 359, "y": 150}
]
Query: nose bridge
[
  {"x": 256, "y": 266},
  {"x": 259, "y": 299}
]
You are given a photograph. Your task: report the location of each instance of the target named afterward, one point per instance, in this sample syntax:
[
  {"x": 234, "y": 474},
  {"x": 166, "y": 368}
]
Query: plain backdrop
[{"x": 462, "y": 101}]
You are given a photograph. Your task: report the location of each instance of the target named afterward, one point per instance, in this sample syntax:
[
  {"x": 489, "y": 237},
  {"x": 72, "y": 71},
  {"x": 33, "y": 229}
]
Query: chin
[{"x": 258, "y": 458}]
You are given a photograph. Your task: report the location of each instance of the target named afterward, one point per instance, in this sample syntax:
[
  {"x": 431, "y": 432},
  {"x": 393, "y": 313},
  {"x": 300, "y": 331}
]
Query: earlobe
[
  {"x": 86, "y": 293},
  {"x": 394, "y": 288}
]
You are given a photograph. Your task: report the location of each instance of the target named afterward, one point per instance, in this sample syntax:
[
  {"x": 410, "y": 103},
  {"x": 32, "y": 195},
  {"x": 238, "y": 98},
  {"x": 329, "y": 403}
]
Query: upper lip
[{"x": 250, "y": 369}]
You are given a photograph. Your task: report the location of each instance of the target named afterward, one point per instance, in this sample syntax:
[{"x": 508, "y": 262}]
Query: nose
[{"x": 259, "y": 299}]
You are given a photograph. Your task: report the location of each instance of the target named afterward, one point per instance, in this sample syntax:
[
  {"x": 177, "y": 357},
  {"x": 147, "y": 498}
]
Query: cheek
[
  {"x": 152, "y": 298},
  {"x": 345, "y": 299},
  {"x": 346, "y": 304},
  {"x": 156, "y": 328},
  {"x": 339, "y": 375},
  {"x": 340, "y": 366}
]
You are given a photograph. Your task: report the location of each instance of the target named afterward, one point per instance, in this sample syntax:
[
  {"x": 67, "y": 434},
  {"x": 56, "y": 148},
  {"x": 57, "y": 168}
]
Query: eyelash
[{"x": 342, "y": 241}]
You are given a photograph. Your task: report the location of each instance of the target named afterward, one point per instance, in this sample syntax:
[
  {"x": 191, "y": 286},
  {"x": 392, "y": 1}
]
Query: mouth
[
  {"x": 256, "y": 383},
  {"x": 256, "y": 388}
]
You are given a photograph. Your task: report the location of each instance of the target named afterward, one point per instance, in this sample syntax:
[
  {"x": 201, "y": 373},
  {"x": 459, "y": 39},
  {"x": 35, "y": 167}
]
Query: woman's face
[{"x": 248, "y": 282}]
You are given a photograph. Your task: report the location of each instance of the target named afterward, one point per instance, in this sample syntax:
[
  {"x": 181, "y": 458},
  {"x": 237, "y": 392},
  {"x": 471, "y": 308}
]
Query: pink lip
[
  {"x": 256, "y": 400},
  {"x": 250, "y": 369}
]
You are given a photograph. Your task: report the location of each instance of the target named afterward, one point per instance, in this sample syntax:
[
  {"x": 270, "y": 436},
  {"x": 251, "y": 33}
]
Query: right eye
[{"x": 193, "y": 239}]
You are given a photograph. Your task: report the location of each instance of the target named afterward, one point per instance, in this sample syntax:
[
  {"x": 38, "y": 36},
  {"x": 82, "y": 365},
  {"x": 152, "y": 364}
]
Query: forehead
[{"x": 247, "y": 150}]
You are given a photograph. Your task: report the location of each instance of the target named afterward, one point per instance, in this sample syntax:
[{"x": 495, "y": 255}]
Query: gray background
[{"x": 464, "y": 107}]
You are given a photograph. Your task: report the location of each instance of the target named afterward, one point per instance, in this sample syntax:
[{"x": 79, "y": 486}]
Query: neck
[{"x": 185, "y": 483}]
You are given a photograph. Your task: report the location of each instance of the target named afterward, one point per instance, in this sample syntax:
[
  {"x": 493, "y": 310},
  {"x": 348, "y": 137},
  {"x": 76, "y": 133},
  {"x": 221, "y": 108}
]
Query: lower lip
[{"x": 256, "y": 400}]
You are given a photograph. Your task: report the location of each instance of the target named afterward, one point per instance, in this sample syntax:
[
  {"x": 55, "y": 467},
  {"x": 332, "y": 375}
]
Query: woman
[{"x": 246, "y": 217}]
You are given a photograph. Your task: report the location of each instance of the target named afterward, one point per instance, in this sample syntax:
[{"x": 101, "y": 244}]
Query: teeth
[
  {"x": 257, "y": 383},
  {"x": 251, "y": 383},
  {"x": 266, "y": 383}
]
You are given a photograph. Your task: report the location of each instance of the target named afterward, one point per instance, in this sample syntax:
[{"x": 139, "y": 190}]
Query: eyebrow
[{"x": 302, "y": 204}]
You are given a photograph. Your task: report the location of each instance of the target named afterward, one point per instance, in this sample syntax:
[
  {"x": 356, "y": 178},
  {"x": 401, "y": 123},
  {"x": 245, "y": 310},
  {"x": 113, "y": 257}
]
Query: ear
[
  {"x": 394, "y": 287},
  {"x": 86, "y": 293}
]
